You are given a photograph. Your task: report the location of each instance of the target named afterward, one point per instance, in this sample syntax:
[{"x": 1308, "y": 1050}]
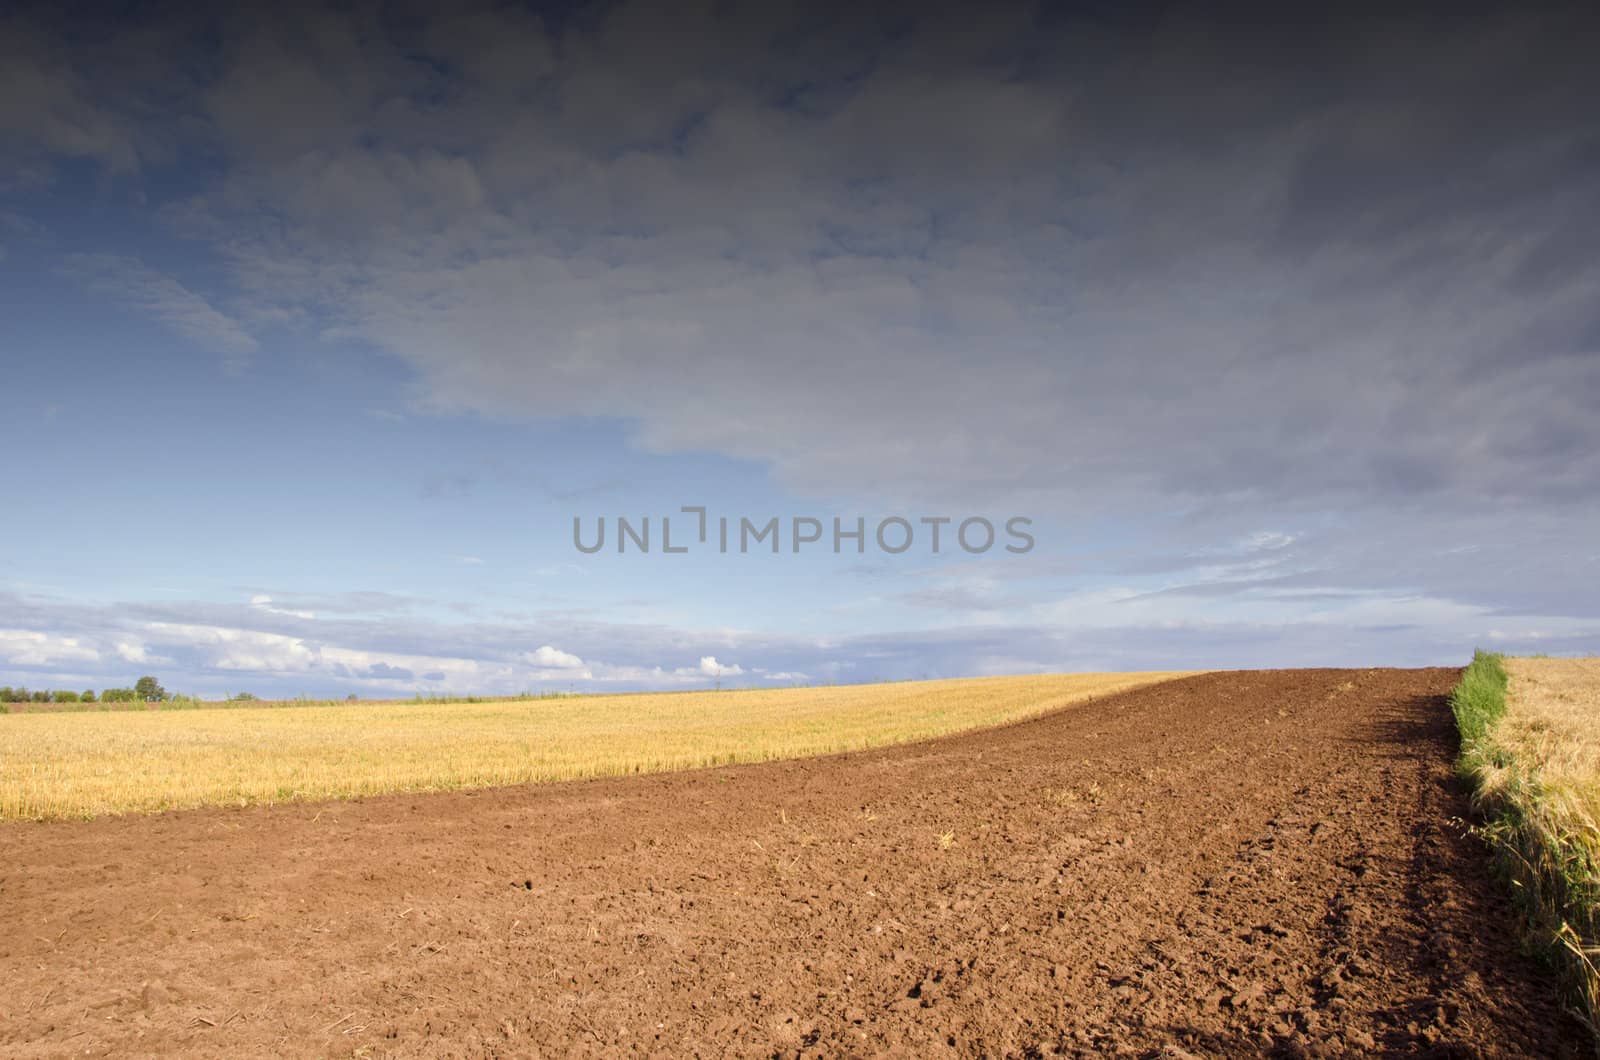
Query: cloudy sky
[{"x": 319, "y": 329}]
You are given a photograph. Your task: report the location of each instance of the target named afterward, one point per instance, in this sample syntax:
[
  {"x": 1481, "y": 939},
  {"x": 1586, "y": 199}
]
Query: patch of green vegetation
[{"x": 1479, "y": 701}]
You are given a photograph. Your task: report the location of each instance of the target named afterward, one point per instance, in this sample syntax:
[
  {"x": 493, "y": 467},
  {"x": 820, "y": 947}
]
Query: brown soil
[{"x": 1228, "y": 864}]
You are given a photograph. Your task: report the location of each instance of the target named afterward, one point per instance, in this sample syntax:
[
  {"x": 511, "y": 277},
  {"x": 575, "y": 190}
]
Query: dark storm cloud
[{"x": 1270, "y": 257}]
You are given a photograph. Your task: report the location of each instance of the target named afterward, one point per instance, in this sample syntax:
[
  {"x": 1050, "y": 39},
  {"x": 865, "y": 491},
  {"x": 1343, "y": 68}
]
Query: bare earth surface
[{"x": 1227, "y": 864}]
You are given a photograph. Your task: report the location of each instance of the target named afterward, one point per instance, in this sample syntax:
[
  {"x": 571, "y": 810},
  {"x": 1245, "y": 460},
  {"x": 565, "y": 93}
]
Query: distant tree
[
  {"x": 118, "y": 695},
  {"x": 88, "y": 695},
  {"x": 243, "y": 697},
  {"x": 147, "y": 688},
  {"x": 41, "y": 697},
  {"x": 5, "y": 694},
  {"x": 64, "y": 697},
  {"x": 16, "y": 695},
  {"x": 351, "y": 698}
]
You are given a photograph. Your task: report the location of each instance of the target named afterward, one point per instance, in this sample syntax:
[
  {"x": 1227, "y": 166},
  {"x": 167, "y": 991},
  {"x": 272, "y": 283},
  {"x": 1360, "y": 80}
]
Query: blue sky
[{"x": 319, "y": 332}]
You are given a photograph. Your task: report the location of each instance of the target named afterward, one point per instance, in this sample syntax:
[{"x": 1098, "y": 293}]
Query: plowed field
[{"x": 1221, "y": 865}]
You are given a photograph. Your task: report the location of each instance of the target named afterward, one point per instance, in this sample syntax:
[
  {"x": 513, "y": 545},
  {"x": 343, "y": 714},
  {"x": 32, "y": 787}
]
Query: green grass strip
[{"x": 1479, "y": 701}]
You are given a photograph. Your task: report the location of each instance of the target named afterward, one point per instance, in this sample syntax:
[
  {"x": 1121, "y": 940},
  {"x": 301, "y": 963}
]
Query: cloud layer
[
  {"x": 936, "y": 254},
  {"x": 1252, "y": 604}
]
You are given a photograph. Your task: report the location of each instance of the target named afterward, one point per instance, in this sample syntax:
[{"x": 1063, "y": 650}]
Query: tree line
[{"x": 144, "y": 690}]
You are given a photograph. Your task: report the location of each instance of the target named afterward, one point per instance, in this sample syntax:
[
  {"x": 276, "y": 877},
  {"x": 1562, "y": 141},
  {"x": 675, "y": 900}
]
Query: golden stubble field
[
  {"x": 75, "y": 765},
  {"x": 1552, "y": 726}
]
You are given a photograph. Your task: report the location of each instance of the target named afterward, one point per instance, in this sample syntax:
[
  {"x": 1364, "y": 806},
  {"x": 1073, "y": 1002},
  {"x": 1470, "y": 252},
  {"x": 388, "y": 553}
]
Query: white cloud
[
  {"x": 1267, "y": 541},
  {"x": 136, "y": 285},
  {"x": 22, "y": 647},
  {"x": 276, "y": 654},
  {"x": 556, "y": 569},
  {"x": 131, "y": 649},
  {"x": 227, "y": 648},
  {"x": 710, "y": 667},
  {"x": 548, "y": 658},
  {"x": 263, "y": 602}
]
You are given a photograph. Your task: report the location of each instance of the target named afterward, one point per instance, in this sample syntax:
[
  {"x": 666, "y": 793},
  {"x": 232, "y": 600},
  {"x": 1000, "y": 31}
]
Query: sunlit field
[
  {"x": 87, "y": 764},
  {"x": 1535, "y": 762},
  {"x": 1553, "y": 722},
  {"x": 1553, "y": 725}
]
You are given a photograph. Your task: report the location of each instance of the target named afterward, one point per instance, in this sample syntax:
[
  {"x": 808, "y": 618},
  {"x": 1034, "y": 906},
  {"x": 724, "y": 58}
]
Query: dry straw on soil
[
  {"x": 87, "y": 764},
  {"x": 1536, "y": 768}
]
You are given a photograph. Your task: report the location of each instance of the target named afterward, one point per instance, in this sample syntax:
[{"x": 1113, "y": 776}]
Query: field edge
[{"x": 1549, "y": 863}]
